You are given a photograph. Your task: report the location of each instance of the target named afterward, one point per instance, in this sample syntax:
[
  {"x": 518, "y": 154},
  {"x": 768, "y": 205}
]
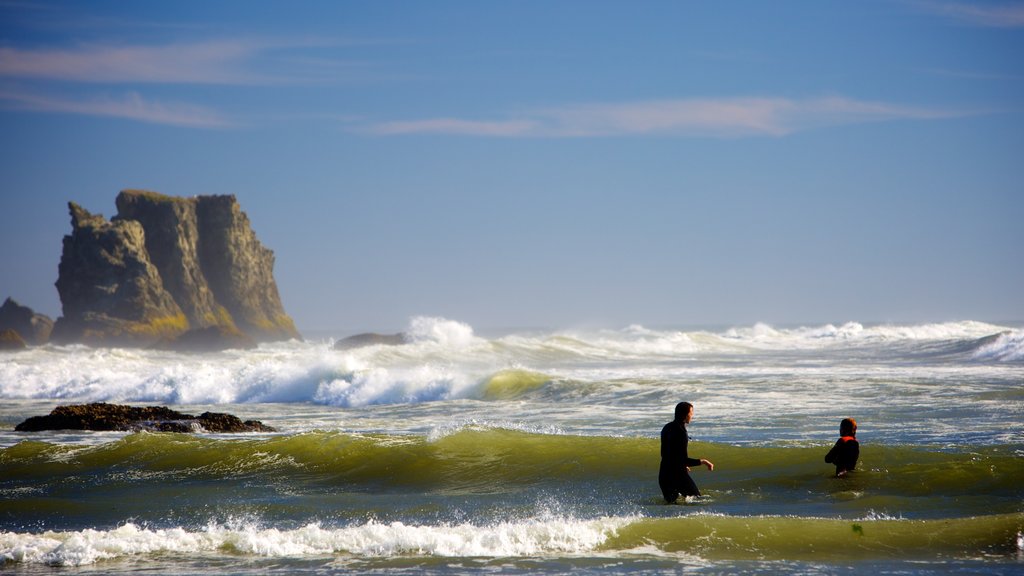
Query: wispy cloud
[
  {"x": 728, "y": 117},
  {"x": 131, "y": 106},
  {"x": 1006, "y": 15},
  {"x": 213, "y": 62},
  {"x": 246, "y": 62},
  {"x": 253, "y": 61}
]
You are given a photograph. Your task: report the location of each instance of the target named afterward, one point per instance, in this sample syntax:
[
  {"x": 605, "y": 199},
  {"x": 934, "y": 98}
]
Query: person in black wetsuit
[
  {"x": 846, "y": 450},
  {"x": 674, "y": 474}
]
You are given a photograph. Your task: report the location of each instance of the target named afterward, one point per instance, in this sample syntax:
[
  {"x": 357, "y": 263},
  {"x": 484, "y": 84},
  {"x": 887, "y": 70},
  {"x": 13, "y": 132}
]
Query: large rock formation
[
  {"x": 163, "y": 266},
  {"x": 32, "y": 327}
]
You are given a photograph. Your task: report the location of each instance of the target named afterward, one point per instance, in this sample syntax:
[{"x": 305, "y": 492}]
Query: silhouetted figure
[
  {"x": 674, "y": 474},
  {"x": 846, "y": 451}
]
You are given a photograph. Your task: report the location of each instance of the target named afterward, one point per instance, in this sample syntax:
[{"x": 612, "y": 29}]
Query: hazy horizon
[{"x": 547, "y": 165}]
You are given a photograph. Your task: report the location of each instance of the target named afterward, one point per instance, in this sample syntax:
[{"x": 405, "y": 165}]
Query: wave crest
[
  {"x": 441, "y": 331},
  {"x": 1006, "y": 346},
  {"x": 445, "y": 360},
  {"x": 523, "y": 538}
]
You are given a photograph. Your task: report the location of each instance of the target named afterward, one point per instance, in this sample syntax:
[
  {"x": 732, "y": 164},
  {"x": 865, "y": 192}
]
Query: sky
[{"x": 542, "y": 164}]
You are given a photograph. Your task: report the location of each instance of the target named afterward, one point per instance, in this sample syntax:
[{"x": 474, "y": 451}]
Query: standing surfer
[
  {"x": 674, "y": 474},
  {"x": 846, "y": 450}
]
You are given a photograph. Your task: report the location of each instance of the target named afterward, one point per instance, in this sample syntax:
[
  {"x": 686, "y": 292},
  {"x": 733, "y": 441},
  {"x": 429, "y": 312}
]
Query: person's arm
[{"x": 830, "y": 458}]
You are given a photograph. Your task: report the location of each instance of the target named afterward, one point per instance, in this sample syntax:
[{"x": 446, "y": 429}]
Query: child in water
[{"x": 846, "y": 451}]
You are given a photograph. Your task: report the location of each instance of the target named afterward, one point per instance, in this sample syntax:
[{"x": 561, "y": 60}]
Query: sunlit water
[{"x": 529, "y": 452}]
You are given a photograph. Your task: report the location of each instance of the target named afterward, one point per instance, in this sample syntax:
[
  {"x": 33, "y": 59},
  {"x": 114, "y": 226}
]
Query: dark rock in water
[
  {"x": 117, "y": 417},
  {"x": 11, "y": 340},
  {"x": 217, "y": 422},
  {"x": 163, "y": 266},
  {"x": 369, "y": 339},
  {"x": 211, "y": 339},
  {"x": 32, "y": 327}
]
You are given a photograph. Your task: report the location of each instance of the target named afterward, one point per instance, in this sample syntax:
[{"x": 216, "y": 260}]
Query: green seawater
[
  {"x": 322, "y": 498},
  {"x": 529, "y": 453}
]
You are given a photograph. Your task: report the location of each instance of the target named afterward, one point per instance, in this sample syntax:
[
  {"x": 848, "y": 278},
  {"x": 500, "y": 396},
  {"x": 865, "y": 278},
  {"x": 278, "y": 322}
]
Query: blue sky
[{"x": 542, "y": 164}]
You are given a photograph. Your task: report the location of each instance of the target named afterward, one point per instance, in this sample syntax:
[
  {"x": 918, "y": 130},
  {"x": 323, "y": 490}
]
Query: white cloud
[
  {"x": 726, "y": 117},
  {"x": 223, "y": 62},
  {"x": 198, "y": 63},
  {"x": 132, "y": 106}
]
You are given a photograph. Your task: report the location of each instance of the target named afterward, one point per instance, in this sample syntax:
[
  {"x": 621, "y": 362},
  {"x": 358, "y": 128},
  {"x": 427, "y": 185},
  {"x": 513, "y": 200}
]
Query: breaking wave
[
  {"x": 1006, "y": 346},
  {"x": 707, "y": 536},
  {"x": 525, "y": 538},
  {"x": 446, "y": 360}
]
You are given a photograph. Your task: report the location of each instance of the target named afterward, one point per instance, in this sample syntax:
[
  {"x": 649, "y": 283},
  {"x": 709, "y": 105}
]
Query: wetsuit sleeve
[
  {"x": 830, "y": 458},
  {"x": 686, "y": 451}
]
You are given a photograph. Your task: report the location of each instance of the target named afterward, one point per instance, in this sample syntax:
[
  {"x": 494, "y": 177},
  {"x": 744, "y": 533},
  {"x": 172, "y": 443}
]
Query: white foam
[
  {"x": 522, "y": 538},
  {"x": 443, "y": 360},
  {"x": 436, "y": 433},
  {"x": 855, "y": 333},
  {"x": 425, "y": 383},
  {"x": 281, "y": 373},
  {"x": 1007, "y": 347},
  {"x": 447, "y": 333}
]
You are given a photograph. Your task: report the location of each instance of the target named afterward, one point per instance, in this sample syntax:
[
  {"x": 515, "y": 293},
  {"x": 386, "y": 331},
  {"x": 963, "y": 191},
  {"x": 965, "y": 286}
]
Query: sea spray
[
  {"x": 1006, "y": 347},
  {"x": 516, "y": 538},
  {"x": 708, "y": 536},
  {"x": 445, "y": 360}
]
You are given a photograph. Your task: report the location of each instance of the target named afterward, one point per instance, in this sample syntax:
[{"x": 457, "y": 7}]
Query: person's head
[
  {"x": 683, "y": 412},
  {"x": 848, "y": 427}
]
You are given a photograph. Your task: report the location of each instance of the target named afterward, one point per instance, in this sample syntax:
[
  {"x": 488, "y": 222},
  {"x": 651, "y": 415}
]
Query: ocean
[{"x": 529, "y": 451}]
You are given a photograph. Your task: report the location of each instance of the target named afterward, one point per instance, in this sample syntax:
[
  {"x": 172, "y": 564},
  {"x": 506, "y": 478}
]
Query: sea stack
[
  {"x": 165, "y": 266},
  {"x": 32, "y": 327}
]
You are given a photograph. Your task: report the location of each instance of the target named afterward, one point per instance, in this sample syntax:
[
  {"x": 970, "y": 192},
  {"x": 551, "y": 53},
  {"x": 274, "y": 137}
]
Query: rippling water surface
[{"x": 529, "y": 452}]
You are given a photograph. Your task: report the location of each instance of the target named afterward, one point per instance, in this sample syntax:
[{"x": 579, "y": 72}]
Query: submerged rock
[
  {"x": 101, "y": 416},
  {"x": 369, "y": 339},
  {"x": 11, "y": 340},
  {"x": 163, "y": 266},
  {"x": 32, "y": 327}
]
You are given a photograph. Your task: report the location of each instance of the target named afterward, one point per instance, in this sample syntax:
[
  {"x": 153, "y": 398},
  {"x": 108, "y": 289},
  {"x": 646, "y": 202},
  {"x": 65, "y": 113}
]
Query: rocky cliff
[
  {"x": 163, "y": 266},
  {"x": 32, "y": 327}
]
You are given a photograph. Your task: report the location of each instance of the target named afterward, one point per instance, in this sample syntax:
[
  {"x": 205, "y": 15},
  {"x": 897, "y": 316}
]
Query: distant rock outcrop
[
  {"x": 369, "y": 339},
  {"x": 165, "y": 266},
  {"x": 32, "y": 327},
  {"x": 11, "y": 340},
  {"x": 116, "y": 417}
]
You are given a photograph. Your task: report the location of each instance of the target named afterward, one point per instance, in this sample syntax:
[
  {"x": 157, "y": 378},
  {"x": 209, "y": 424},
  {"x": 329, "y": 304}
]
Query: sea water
[{"x": 529, "y": 451}]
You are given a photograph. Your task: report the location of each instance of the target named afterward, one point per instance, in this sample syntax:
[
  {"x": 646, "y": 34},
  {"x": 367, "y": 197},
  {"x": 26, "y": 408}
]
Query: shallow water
[{"x": 530, "y": 452}]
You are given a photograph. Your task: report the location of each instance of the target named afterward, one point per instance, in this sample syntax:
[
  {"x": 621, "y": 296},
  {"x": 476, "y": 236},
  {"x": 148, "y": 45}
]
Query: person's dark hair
[
  {"x": 848, "y": 427},
  {"x": 682, "y": 409}
]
